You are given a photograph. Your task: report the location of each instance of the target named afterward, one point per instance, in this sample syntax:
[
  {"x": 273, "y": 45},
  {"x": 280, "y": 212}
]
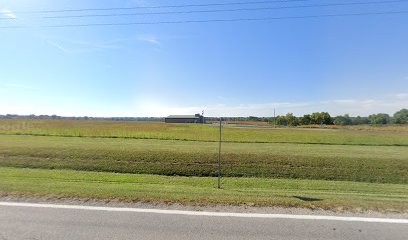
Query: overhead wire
[
  {"x": 209, "y": 11},
  {"x": 228, "y": 10},
  {"x": 165, "y": 6},
  {"x": 210, "y": 20},
  {"x": 218, "y": 10}
]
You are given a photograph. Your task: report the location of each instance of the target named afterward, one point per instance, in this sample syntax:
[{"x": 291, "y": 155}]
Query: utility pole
[
  {"x": 274, "y": 118},
  {"x": 219, "y": 156},
  {"x": 202, "y": 114}
]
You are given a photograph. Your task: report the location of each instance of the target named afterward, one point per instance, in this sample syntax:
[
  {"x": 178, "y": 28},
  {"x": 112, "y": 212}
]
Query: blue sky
[{"x": 356, "y": 65}]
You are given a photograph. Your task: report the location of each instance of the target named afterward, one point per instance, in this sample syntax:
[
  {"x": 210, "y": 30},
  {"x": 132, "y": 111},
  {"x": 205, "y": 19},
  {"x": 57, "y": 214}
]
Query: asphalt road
[{"x": 18, "y": 222}]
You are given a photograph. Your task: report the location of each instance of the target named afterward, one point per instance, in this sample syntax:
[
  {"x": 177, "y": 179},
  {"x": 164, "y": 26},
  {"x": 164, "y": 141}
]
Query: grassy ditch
[
  {"x": 202, "y": 191},
  {"x": 381, "y": 164}
]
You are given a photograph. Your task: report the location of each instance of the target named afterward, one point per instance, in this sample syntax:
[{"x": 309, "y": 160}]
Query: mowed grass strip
[
  {"x": 202, "y": 191},
  {"x": 198, "y": 132},
  {"x": 381, "y": 164}
]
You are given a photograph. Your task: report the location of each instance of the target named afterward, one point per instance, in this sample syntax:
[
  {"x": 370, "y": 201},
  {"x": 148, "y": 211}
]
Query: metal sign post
[{"x": 219, "y": 156}]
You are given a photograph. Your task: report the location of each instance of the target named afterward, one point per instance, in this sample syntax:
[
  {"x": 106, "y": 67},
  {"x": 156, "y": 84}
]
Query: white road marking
[{"x": 209, "y": 214}]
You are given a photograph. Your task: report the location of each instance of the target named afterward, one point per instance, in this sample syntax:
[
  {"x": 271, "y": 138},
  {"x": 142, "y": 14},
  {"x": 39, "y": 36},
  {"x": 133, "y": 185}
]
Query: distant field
[
  {"x": 383, "y": 164},
  {"x": 265, "y": 124},
  {"x": 387, "y": 127},
  {"x": 191, "y": 132}
]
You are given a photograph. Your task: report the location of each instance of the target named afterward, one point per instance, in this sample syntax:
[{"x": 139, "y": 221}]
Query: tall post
[
  {"x": 202, "y": 114},
  {"x": 219, "y": 156},
  {"x": 274, "y": 118}
]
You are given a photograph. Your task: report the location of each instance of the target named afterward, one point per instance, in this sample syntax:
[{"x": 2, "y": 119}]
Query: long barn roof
[{"x": 182, "y": 116}]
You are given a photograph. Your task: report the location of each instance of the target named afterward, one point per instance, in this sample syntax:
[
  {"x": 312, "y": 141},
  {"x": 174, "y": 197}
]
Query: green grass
[
  {"x": 202, "y": 191},
  {"x": 339, "y": 168},
  {"x": 381, "y": 164},
  {"x": 194, "y": 132}
]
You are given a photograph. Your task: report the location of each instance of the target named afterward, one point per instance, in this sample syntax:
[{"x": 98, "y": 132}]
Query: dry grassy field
[
  {"x": 198, "y": 132},
  {"x": 265, "y": 124},
  {"x": 388, "y": 127}
]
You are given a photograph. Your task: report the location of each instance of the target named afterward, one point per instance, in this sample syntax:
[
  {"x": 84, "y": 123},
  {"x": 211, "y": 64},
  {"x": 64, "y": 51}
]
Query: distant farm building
[{"x": 185, "y": 119}]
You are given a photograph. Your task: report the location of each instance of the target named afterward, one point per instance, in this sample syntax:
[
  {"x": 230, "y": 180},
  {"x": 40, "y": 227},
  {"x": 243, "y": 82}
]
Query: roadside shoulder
[{"x": 214, "y": 208}]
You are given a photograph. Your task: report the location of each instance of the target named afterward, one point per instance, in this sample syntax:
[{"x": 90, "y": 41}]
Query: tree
[
  {"x": 360, "y": 120},
  {"x": 381, "y": 118},
  {"x": 401, "y": 117},
  {"x": 342, "y": 120},
  {"x": 306, "y": 119},
  {"x": 321, "y": 118},
  {"x": 254, "y": 119},
  {"x": 316, "y": 118},
  {"x": 327, "y": 119},
  {"x": 292, "y": 120},
  {"x": 281, "y": 121}
]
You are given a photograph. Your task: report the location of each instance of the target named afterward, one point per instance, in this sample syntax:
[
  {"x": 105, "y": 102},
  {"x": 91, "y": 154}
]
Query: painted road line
[{"x": 208, "y": 214}]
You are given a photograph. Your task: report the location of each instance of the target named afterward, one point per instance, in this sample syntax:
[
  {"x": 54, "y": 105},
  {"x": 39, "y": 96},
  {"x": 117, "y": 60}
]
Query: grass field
[
  {"x": 370, "y": 158},
  {"x": 192, "y": 132},
  {"x": 386, "y": 164},
  {"x": 262, "y": 124},
  {"x": 333, "y": 195}
]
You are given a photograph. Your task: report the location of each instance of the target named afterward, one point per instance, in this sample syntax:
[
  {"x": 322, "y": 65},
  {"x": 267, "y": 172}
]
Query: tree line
[
  {"x": 55, "y": 117},
  {"x": 324, "y": 118},
  {"x": 316, "y": 118}
]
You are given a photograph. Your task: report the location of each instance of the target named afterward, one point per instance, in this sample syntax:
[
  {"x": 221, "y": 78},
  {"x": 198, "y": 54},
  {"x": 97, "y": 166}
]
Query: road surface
[{"x": 72, "y": 222}]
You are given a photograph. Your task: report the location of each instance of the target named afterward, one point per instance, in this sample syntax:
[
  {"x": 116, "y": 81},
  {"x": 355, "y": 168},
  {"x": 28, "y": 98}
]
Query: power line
[
  {"x": 220, "y": 10},
  {"x": 211, "y": 20},
  {"x": 228, "y": 10},
  {"x": 164, "y": 6}
]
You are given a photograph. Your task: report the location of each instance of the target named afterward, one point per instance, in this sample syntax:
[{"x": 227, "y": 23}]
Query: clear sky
[{"x": 355, "y": 64}]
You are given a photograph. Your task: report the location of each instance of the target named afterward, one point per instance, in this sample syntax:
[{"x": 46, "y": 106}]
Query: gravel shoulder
[{"x": 214, "y": 208}]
